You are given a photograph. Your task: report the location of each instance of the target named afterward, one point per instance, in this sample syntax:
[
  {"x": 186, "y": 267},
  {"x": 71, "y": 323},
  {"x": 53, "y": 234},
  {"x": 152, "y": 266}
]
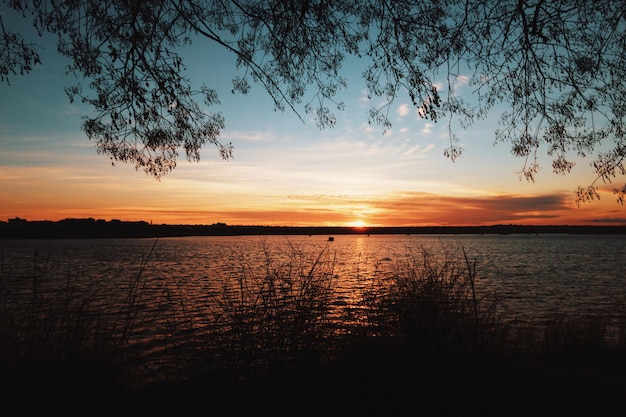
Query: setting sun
[
  {"x": 358, "y": 224},
  {"x": 284, "y": 172}
]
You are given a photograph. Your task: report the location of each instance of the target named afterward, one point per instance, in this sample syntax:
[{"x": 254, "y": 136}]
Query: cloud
[
  {"x": 252, "y": 136},
  {"x": 456, "y": 82},
  {"x": 427, "y": 129},
  {"x": 367, "y": 128},
  {"x": 525, "y": 204},
  {"x": 420, "y": 208},
  {"x": 278, "y": 217},
  {"x": 404, "y": 209},
  {"x": 461, "y": 79},
  {"x": 614, "y": 220},
  {"x": 418, "y": 151},
  {"x": 313, "y": 208},
  {"x": 403, "y": 110},
  {"x": 417, "y": 208}
]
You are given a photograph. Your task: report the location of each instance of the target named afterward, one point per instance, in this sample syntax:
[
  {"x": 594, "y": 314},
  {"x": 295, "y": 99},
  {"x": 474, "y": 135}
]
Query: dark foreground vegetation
[{"x": 416, "y": 339}]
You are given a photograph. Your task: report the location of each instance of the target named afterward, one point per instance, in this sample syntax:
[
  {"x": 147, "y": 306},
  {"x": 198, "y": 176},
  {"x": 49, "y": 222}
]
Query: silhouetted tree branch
[{"x": 557, "y": 69}]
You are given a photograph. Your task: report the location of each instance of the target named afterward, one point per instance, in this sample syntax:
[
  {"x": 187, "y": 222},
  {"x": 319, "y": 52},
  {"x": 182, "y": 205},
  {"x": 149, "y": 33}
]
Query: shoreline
[{"x": 91, "y": 228}]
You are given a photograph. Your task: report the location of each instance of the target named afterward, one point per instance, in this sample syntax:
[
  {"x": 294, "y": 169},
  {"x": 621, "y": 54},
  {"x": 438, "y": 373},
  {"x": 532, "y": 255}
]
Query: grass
[
  {"x": 427, "y": 304},
  {"x": 273, "y": 318},
  {"x": 418, "y": 338}
]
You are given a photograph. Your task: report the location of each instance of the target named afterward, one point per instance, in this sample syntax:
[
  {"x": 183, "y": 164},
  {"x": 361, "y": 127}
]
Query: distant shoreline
[{"x": 90, "y": 228}]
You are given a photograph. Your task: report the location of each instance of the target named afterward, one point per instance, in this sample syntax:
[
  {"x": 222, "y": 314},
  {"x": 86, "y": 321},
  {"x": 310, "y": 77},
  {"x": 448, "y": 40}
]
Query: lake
[
  {"x": 177, "y": 296},
  {"x": 173, "y": 285},
  {"x": 177, "y": 287},
  {"x": 534, "y": 274}
]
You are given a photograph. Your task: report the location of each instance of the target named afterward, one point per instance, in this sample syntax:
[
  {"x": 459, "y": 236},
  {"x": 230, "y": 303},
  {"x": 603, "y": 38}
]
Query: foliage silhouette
[{"x": 553, "y": 70}]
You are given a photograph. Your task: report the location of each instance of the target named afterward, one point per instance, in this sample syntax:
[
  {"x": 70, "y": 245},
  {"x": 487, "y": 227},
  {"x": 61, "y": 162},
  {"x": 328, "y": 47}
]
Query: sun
[{"x": 357, "y": 224}]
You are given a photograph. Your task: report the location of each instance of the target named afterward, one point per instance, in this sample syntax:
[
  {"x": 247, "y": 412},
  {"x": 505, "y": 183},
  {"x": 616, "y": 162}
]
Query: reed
[
  {"x": 54, "y": 346},
  {"x": 54, "y": 329},
  {"x": 564, "y": 336},
  {"x": 285, "y": 316},
  {"x": 427, "y": 304},
  {"x": 274, "y": 318},
  {"x": 47, "y": 320}
]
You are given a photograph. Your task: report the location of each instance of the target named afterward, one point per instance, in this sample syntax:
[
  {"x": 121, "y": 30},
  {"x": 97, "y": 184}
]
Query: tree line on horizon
[{"x": 17, "y": 228}]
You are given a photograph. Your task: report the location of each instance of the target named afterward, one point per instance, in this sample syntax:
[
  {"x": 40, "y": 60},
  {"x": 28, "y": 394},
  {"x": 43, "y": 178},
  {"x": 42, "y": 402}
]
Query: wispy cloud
[
  {"x": 426, "y": 130},
  {"x": 614, "y": 220},
  {"x": 245, "y": 135},
  {"x": 418, "y": 151},
  {"x": 415, "y": 208},
  {"x": 403, "y": 110},
  {"x": 433, "y": 209}
]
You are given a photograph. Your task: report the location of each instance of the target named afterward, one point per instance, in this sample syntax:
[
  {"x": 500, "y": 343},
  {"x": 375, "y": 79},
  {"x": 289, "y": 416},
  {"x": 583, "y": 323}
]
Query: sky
[{"x": 284, "y": 172}]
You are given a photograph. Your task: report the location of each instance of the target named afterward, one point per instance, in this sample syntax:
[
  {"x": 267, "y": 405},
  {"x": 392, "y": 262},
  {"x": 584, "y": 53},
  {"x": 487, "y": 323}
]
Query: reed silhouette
[{"x": 418, "y": 338}]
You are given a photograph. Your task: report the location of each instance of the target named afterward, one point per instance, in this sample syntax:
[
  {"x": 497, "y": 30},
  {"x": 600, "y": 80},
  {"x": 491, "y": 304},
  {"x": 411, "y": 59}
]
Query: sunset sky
[{"x": 284, "y": 172}]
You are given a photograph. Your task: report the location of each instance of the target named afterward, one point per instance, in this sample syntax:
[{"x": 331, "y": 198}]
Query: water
[{"x": 533, "y": 274}]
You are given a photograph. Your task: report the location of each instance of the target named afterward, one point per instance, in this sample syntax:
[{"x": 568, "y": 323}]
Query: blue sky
[{"x": 284, "y": 172}]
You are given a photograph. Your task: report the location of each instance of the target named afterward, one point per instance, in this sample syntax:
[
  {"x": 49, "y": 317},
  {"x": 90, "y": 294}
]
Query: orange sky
[
  {"x": 122, "y": 193},
  {"x": 284, "y": 172}
]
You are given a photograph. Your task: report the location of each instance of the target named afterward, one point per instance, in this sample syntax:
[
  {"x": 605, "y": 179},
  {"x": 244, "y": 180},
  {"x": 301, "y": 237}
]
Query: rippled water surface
[{"x": 534, "y": 274}]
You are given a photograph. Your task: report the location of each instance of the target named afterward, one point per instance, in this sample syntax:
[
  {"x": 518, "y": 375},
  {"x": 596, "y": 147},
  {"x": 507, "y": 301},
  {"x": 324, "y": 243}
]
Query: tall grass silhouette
[
  {"x": 275, "y": 317},
  {"x": 286, "y": 315},
  {"x": 427, "y": 304}
]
